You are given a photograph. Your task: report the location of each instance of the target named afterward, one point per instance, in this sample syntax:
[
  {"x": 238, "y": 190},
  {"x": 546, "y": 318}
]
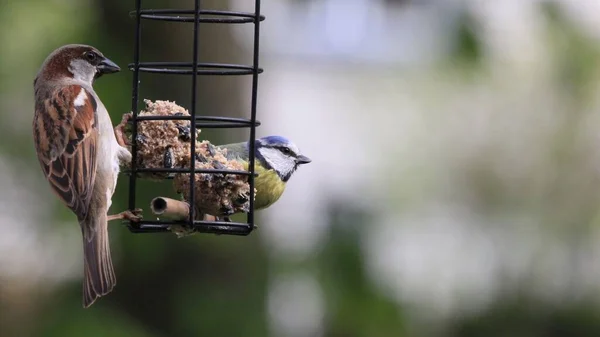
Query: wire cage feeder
[{"x": 195, "y": 69}]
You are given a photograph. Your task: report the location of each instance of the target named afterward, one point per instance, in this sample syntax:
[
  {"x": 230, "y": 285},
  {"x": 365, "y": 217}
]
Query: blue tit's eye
[{"x": 286, "y": 151}]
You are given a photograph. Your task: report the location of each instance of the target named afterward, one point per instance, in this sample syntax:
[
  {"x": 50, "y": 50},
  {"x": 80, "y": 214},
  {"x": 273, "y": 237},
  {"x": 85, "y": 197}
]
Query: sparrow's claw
[
  {"x": 120, "y": 130},
  {"x": 135, "y": 215},
  {"x": 131, "y": 215}
]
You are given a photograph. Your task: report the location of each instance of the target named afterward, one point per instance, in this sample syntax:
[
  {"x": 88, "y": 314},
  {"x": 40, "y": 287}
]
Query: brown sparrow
[{"x": 79, "y": 153}]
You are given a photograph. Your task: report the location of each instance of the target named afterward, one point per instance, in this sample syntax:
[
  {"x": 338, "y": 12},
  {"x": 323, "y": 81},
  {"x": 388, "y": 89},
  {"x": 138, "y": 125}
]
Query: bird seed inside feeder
[{"x": 167, "y": 144}]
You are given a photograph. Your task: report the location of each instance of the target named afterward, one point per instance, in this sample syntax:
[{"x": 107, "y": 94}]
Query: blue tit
[{"x": 276, "y": 160}]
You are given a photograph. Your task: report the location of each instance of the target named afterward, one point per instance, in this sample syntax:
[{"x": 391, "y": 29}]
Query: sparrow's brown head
[{"x": 77, "y": 61}]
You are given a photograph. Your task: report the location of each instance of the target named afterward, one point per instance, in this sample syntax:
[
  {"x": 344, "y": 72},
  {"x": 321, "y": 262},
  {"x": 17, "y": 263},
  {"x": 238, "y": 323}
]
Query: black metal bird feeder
[{"x": 194, "y": 68}]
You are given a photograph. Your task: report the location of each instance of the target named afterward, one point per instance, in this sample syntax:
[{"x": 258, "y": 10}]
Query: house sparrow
[{"x": 79, "y": 153}]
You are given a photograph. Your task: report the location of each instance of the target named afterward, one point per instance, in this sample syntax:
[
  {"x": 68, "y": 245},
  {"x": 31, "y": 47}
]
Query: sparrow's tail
[{"x": 99, "y": 275}]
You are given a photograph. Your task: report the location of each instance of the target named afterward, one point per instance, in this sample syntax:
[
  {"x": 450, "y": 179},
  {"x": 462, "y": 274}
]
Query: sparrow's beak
[
  {"x": 301, "y": 159},
  {"x": 107, "y": 66}
]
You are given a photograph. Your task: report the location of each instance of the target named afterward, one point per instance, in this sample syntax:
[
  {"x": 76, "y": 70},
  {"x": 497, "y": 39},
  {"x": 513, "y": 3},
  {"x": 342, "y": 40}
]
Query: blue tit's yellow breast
[{"x": 269, "y": 187}]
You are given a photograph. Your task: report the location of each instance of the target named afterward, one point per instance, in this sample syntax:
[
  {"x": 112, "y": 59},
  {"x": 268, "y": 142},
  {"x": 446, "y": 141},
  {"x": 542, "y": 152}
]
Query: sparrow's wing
[{"x": 65, "y": 134}]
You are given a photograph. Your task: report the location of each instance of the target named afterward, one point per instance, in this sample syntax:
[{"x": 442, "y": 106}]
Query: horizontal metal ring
[
  {"x": 187, "y": 170},
  {"x": 224, "y": 125},
  {"x": 216, "y": 227},
  {"x": 187, "y": 15},
  {"x": 203, "y": 68},
  {"x": 153, "y": 229},
  {"x": 208, "y": 122}
]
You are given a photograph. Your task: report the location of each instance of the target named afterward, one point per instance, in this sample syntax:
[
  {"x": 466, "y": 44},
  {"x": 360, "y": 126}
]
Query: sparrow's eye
[{"x": 90, "y": 56}]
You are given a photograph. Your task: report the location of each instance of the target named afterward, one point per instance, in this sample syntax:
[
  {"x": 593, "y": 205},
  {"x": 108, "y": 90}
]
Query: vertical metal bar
[
  {"x": 193, "y": 111},
  {"x": 134, "y": 103},
  {"x": 251, "y": 144}
]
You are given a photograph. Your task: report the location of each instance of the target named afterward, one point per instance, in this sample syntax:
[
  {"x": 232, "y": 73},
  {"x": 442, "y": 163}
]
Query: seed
[
  {"x": 168, "y": 158},
  {"x": 184, "y": 133}
]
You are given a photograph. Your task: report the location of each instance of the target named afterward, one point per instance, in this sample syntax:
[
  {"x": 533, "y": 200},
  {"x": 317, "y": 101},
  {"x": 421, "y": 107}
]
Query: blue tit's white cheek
[{"x": 283, "y": 164}]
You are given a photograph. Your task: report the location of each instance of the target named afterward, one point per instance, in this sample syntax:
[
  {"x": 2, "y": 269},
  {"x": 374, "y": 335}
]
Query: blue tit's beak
[
  {"x": 107, "y": 66},
  {"x": 301, "y": 159}
]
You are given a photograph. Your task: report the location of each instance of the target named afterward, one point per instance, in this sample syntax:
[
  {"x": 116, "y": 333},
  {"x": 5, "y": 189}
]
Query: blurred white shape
[
  {"x": 448, "y": 260},
  {"x": 511, "y": 31},
  {"x": 357, "y": 30},
  {"x": 346, "y": 24},
  {"x": 438, "y": 261},
  {"x": 295, "y": 227},
  {"x": 296, "y": 306},
  {"x": 583, "y": 14},
  {"x": 320, "y": 112}
]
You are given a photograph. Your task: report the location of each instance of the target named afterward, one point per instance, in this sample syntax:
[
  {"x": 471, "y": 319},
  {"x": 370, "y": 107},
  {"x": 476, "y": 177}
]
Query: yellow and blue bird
[{"x": 276, "y": 160}]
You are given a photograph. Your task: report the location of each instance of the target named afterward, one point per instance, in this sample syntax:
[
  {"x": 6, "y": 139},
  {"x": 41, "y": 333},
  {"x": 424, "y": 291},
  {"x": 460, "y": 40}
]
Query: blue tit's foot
[{"x": 242, "y": 199}]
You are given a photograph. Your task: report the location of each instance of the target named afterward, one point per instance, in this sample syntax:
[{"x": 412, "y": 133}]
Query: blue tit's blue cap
[{"x": 274, "y": 140}]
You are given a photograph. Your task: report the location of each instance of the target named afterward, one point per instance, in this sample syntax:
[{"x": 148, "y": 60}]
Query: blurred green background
[{"x": 454, "y": 188}]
